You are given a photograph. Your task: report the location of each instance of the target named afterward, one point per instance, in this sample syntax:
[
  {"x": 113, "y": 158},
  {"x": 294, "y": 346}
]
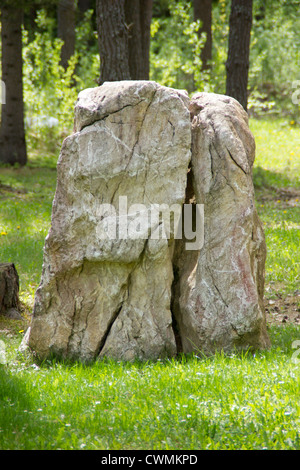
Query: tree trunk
[
  {"x": 203, "y": 12},
  {"x": 12, "y": 133},
  {"x": 133, "y": 22},
  {"x": 146, "y": 18},
  {"x": 66, "y": 29},
  {"x": 237, "y": 64},
  {"x": 138, "y": 15},
  {"x": 9, "y": 291},
  {"x": 113, "y": 40},
  {"x": 84, "y": 5}
]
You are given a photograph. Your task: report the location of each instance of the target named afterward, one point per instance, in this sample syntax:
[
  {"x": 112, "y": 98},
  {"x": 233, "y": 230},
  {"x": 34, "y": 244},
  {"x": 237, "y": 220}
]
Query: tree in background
[
  {"x": 203, "y": 12},
  {"x": 113, "y": 40},
  {"x": 84, "y": 5},
  {"x": 124, "y": 39},
  {"x": 12, "y": 132},
  {"x": 237, "y": 65},
  {"x": 66, "y": 10},
  {"x": 138, "y": 15},
  {"x": 176, "y": 46}
]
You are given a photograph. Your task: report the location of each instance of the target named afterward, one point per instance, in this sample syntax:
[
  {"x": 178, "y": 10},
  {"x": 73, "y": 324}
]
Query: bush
[
  {"x": 175, "y": 50},
  {"x": 50, "y": 91}
]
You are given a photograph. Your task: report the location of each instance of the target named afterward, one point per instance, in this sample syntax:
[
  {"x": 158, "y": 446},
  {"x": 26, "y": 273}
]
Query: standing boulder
[
  {"x": 117, "y": 282},
  {"x": 104, "y": 293},
  {"x": 218, "y": 290}
]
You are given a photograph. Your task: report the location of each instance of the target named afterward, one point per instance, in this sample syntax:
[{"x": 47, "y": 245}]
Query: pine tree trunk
[
  {"x": 203, "y": 12},
  {"x": 84, "y": 5},
  {"x": 113, "y": 40},
  {"x": 146, "y": 7},
  {"x": 237, "y": 64},
  {"x": 12, "y": 133},
  {"x": 66, "y": 29},
  {"x": 138, "y": 15}
]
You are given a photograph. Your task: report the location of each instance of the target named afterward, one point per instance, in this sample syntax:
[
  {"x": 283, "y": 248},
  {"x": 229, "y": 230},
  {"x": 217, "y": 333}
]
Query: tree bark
[
  {"x": 84, "y": 5},
  {"x": 9, "y": 291},
  {"x": 203, "y": 12},
  {"x": 132, "y": 18},
  {"x": 66, "y": 29},
  {"x": 237, "y": 65},
  {"x": 113, "y": 40},
  {"x": 12, "y": 133},
  {"x": 146, "y": 18},
  {"x": 138, "y": 15}
]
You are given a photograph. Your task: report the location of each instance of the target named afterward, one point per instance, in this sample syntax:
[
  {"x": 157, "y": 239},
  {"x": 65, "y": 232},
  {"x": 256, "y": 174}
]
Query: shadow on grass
[
  {"x": 274, "y": 181},
  {"x": 16, "y": 409}
]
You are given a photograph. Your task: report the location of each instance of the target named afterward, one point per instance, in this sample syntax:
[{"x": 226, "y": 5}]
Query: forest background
[{"x": 51, "y": 87}]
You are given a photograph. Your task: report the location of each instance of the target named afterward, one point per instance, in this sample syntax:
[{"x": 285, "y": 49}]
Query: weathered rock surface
[
  {"x": 98, "y": 295},
  {"x": 218, "y": 290},
  {"x": 128, "y": 295}
]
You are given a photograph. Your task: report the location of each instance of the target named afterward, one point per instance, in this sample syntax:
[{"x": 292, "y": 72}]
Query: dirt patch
[
  {"x": 8, "y": 191},
  {"x": 283, "y": 309}
]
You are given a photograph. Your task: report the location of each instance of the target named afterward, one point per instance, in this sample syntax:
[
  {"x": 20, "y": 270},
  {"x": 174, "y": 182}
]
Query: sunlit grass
[
  {"x": 240, "y": 401},
  {"x": 277, "y": 165},
  {"x": 283, "y": 241},
  {"x": 277, "y": 150}
]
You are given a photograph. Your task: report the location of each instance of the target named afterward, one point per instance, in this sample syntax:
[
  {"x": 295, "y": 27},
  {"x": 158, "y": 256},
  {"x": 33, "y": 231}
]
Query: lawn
[{"x": 240, "y": 401}]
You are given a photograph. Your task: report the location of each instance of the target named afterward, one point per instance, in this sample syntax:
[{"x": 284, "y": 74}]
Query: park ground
[{"x": 237, "y": 402}]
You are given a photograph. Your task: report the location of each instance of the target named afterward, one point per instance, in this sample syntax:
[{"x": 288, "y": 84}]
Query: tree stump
[{"x": 9, "y": 291}]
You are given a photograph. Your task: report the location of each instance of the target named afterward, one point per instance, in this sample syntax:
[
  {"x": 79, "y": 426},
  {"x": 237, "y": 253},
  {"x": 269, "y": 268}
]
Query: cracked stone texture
[
  {"x": 146, "y": 298},
  {"x": 218, "y": 290},
  {"x": 111, "y": 297}
]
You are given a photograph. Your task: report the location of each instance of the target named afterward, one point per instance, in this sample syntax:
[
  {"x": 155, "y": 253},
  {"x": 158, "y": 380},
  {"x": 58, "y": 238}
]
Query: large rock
[
  {"x": 218, "y": 290},
  {"x": 111, "y": 285},
  {"x": 102, "y": 294}
]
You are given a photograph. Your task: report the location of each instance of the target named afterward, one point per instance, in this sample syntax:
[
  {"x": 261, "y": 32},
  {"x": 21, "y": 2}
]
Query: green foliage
[
  {"x": 274, "y": 53},
  {"x": 175, "y": 49},
  {"x": 86, "y": 47},
  {"x": 220, "y": 32},
  {"x": 48, "y": 88},
  {"x": 274, "y": 57},
  {"x": 50, "y": 91}
]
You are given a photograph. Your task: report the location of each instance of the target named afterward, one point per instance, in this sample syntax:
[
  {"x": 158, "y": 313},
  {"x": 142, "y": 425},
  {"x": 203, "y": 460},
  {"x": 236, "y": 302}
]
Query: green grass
[
  {"x": 241, "y": 401},
  {"x": 25, "y": 213},
  {"x": 224, "y": 402},
  {"x": 277, "y": 183}
]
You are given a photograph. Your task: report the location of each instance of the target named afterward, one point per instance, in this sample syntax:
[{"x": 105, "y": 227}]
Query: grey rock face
[
  {"x": 218, "y": 290},
  {"x": 111, "y": 296},
  {"x": 111, "y": 288}
]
